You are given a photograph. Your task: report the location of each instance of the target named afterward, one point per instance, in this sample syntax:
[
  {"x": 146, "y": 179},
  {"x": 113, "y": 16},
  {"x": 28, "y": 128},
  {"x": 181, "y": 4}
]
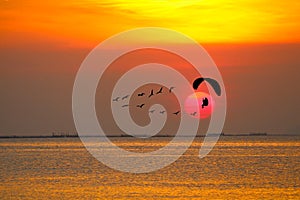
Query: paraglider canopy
[{"x": 214, "y": 84}]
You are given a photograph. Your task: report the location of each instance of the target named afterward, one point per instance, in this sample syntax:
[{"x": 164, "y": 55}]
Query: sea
[{"x": 238, "y": 167}]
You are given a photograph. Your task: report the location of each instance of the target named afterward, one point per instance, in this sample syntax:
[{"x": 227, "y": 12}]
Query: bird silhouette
[
  {"x": 162, "y": 112},
  {"x": 151, "y": 111},
  {"x": 176, "y": 113},
  {"x": 171, "y": 88},
  {"x": 160, "y": 91},
  {"x": 126, "y": 105},
  {"x": 141, "y": 105},
  {"x": 151, "y": 94},
  {"x": 125, "y": 97},
  {"x": 194, "y": 113},
  {"x": 116, "y": 99},
  {"x": 141, "y": 94},
  {"x": 204, "y": 102}
]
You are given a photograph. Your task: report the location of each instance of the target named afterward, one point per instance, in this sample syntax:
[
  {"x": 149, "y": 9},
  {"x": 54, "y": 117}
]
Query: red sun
[{"x": 204, "y": 102}]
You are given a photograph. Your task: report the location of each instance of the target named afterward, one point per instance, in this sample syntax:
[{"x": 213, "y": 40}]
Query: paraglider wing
[
  {"x": 197, "y": 82},
  {"x": 214, "y": 84}
]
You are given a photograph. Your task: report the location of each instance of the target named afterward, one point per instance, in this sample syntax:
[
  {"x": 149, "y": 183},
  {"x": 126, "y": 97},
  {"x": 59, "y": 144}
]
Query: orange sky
[
  {"x": 85, "y": 23},
  {"x": 254, "y": 43}
]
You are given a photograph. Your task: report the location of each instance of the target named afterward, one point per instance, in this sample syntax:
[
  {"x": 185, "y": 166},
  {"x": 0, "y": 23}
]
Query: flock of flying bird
[{"x": 152, "y": 93}]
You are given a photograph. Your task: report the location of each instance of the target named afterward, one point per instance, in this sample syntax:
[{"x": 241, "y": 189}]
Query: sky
[{"x": 255, "y": 44}]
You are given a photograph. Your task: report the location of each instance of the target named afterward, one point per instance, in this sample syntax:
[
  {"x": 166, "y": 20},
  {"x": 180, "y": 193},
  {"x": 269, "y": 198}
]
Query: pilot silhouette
[{"x": 204, "y": 102}]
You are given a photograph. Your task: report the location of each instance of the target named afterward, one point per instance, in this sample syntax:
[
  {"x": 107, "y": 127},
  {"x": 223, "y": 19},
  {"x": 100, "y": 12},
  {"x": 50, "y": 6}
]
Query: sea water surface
[{"x": 239, "y": 167}]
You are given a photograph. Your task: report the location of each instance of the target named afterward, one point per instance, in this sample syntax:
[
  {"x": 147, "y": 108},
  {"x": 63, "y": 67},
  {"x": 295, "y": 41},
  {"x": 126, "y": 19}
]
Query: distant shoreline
[{"x": 159, "y": 136}]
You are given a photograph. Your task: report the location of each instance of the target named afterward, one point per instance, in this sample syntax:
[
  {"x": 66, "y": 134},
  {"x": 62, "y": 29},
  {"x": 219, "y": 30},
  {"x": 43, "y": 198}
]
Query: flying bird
[
  {"x": 194, "y": 113},
  {"x": 151, "y": 111},
  {"x": 171, "y": 88},
  {"x": 126, "y": 105},
  {"x": 141, "y": 105},
  {"x": 162, "y": 112},
  {"x": 151, "y": 94},
  {"x": 204, "y": 102},
  {"x": 116, "y": 99},
  {"x": 160, "y": 91},
  {"x": 176, "y": 113},
  {"x": 141, "y": 94},
  {"x": 125, "y": 97}
]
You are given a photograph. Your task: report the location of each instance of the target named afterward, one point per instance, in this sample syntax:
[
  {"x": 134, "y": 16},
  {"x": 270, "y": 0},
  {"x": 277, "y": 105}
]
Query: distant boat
[{"x": 63, "y": 134}]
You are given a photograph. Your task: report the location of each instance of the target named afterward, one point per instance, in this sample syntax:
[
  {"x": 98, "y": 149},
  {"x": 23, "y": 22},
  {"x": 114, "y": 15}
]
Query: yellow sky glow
[{"x": 207, "y": 21}]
